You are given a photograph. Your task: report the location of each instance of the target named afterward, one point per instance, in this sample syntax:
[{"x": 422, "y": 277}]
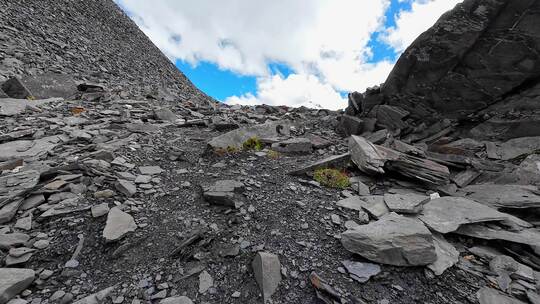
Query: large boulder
[
  {"x": 13, "y": 281},
  {"x": 394, "y": 240}
]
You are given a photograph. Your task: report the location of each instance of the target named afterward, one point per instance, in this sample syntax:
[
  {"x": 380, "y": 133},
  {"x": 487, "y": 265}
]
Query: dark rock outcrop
[
  {"x": 480, "y": 60},
  {"x": 89, "y": 41}
]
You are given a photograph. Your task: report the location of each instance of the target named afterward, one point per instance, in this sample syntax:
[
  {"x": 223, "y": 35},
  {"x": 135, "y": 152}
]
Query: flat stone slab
[
  {"x": 15, "y": 184},
  {"x": 13, "y": 281},
  {"x": 405, "y": 203},
  {"x": 336, "y": 161},
  {"x": 504, "y": 196},
  {"x": 514, "y": 147},
  {"x": 529, "y": 237},
  {"x": 393, "y": 240},
  {"x": 267, "y": 270},
  {"x": 447, "y": 255},
  {"x": 150, "y": 170},
  {"x": 9, "y": 240},
  {"x": 223, "y": 192},
  {"x": 293, "y": 145},
  {"x": 488, "y": 295},
  {"x": 361, "y": 272},
  {"x": 118, "y": 225},
  {"x": 12, "y": 106},
  {"x": 446, "y": 214},
  {"x": 365, "y": 155},
  {"x": 236, "y": 138},
  {"x": 28, "y": 149},
  {"x": 372, "y": 204}
]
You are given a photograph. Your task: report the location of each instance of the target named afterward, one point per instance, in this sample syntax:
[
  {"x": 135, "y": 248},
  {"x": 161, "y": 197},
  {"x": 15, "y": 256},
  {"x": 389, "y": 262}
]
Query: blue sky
[
  {"x": 221, "y": 84},
  {"x": 283, "y": 52}
]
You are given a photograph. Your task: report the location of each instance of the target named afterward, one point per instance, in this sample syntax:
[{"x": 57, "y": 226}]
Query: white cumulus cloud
[
  {"x": 410, "y": 24},
  {"x": 324, "y": 42}
]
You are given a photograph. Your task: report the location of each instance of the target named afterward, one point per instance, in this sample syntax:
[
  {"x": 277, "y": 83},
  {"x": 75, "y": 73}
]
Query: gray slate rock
[
  {"x": 236, "y": 138},
  {"x": 361, "y": 272},
  {"x": 126, "y": 187},
  {"x": 394, "y": 240},
  {"x": 504, "y": 196},
  {"x": 223, "y": 192},
  {"x": 13, "y": 281},
  {"x": 267, "y": 270},
  {"x": 294, "y": 145},
  {"x": 372, "y": 204},
  {"x": 176, "y": 300},
  {"x": 118, "y": 225},
  {"x": 365, "y": 155},
  {"x": 529, "y": 237},
  {"x": 405, "y": 203},
  {"x": 9, "y": 240},
  {"x": 488, "y": 295},
  {"x": 446, "y": 214},
  {"x": 447, "y": 255}
]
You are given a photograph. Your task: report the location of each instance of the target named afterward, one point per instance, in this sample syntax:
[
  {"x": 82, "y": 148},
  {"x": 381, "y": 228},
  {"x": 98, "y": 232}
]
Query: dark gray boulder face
[
  {"x": 481, "y": 59},
  {"x": 88, "y": 41},
  {"x": 474, "y": 56}
]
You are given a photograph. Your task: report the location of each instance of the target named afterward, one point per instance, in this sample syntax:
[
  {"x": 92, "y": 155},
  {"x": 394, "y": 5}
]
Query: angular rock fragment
[
  {"x": 150, "y": 170},
  {"x": 8, "y": 240},
  {"x": 8, "y": 211},
  {"x": 447, "y": 255},
  {"x": 70, "y": 205},
  {"x": 504, "y": 196},
  {"x": 515, "y": 147},
  {"x": 13, "y": 107},
  {"x": 464, "y": 178},
  {"x": 223, "y": 192},
  {"x": 126, "y": 187},
  {"x": 14, "y": 88},
  {"x": 488, "y": 295},
  {"x": 205, "y": 281},
  {"x": 96, "y": 298},
  {"x": 447, "y": 214},
  {"x": 13, "y": 281},
  {"x": 337, "y": 161},
  {"x": 237, "y": 137},
  {"x": 529, "y": 237},
  {"x": 361, "y": 272},
  {"x": 165, "y": 115},
  {"x": 28, "y": 149},
  {"x": 405, "y": 203},
  {"x": 118, "y": 225},
  {"x": 100, "y": 210},
  {"x": 394, "y": 240},
  {"x": 365, "y": 155},
  {"x": 176, "y": 300},
  {"x": 294, "y": 145},
  {"x": 372, "y": 204},
  {"x": 16, "y": 184},
  {"x": 267, "y": 270},
  {"x": 351, "y": 125}
]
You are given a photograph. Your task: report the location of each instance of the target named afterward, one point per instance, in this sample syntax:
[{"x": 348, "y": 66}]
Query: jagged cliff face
[
  {"x": 483, "y": 57},
  {"x": 91, "y": 39}
]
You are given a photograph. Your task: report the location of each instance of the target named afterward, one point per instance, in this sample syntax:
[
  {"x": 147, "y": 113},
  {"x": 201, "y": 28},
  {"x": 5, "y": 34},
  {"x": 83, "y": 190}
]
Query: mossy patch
[
  {"x": 273, "y": 154},
  {"x": 332, "y": 178},
  {"x": 253, "y": 143}
]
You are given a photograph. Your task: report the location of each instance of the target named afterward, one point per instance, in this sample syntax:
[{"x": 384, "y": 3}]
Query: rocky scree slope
[
  {"x": 113, "y": 194},
  {"x": 86, "y": 40}
]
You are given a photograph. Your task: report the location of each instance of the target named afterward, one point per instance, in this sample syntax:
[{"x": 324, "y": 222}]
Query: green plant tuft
[
  {"x": 332, "y": 178},
  {"x": 253, "y": 143},
  {"x": 273, "y": 154}
]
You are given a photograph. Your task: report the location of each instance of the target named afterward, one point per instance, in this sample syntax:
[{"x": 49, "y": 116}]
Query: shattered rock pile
[{"x": 112, "y": 193}]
